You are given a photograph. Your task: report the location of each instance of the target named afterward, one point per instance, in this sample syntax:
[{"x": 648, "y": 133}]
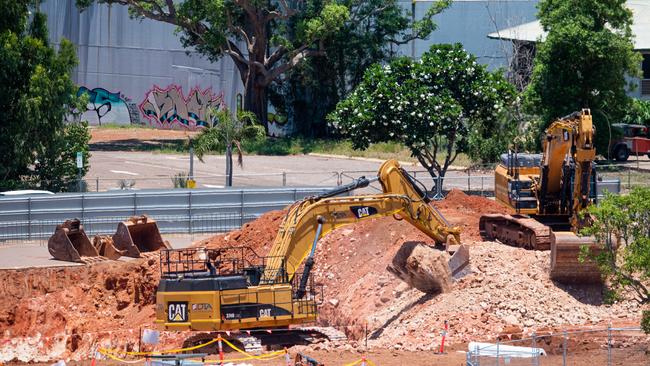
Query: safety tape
[
  {"x": 115, "y": 358},
  {"x": 359, "y": 361},
  {"x": 151, "y": 353}
]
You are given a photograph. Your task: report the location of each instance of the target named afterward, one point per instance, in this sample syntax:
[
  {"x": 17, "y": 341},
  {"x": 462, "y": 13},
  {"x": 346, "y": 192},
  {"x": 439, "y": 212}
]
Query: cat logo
[
  {"x": 363, "y": 211},
  {"x": 177, "y": 311}
]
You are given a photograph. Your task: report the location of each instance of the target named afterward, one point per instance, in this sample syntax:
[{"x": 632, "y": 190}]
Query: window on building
[{"x": 645, "y": 80}]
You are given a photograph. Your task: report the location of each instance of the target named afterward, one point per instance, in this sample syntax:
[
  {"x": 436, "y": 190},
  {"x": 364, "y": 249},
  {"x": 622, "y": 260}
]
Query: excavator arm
[
  {"x": 566, "y": 172},
  {"x": 309, "y": 220}
]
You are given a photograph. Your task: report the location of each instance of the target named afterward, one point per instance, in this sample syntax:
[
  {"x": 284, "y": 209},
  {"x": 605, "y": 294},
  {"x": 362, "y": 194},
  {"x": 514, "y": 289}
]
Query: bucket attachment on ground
[
  {"x": 137, "y": 235},
  {"x": 70, "y": 243},
  {"x": 106, "y": 248}
]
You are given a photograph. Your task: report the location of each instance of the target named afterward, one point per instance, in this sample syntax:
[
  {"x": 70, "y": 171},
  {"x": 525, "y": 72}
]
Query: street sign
[{"x": 80, "y": 160}]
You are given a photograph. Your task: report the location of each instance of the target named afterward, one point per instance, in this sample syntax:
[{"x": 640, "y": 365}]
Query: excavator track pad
[
  {"x": 138, "y": 235},
  {"x": 71, "y": 244},
  {"x": 517, "y": 231}
]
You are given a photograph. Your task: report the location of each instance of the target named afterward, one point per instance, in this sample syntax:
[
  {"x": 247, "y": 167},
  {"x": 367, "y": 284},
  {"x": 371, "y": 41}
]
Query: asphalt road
[
  {"x": 152, "y": 170},
  {"x": 35, "y": 254}
]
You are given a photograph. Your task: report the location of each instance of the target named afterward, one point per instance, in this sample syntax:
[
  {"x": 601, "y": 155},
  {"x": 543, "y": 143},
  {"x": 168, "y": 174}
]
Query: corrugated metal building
[{"x": 126, "y": 65}]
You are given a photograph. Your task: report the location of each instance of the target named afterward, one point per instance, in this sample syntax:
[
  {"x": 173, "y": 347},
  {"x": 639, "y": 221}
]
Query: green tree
[
  {"x": 583, "y": 62},
  {"x": 621, "y": 223},
  {"x": 376, "y": 29},
  {"x": 36, "y": 96},
  {"x": 638, "y": 113},
  {"x": 245, "y": 31},
  {"x": 228, "y": 133},
  {"x": 436, "y": 106}
]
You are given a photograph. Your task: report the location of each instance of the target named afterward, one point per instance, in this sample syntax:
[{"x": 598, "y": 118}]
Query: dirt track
[{"x": 47, "y": 314}]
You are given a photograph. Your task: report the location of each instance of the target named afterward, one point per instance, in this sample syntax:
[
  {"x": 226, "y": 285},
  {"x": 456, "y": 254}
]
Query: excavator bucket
[
  {"x": 566, "y": 266},
  {"x": 70, "y": 243},
  {"x": 459, "y": 258},
  {"x": 137, "y": 235},
  {"x": 106, "y": 248}
]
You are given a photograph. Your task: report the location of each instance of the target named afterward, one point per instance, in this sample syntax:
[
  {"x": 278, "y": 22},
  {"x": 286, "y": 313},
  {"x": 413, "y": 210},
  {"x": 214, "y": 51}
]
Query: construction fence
[
  {"x": 603, "y": 346},
  {"x": 476, "y": 180}
]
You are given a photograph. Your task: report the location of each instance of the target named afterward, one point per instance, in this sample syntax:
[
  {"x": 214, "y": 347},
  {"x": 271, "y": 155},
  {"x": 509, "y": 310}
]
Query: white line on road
[
  {"x": 123, "y": 172},
  {"x": 212, "y": 186}
]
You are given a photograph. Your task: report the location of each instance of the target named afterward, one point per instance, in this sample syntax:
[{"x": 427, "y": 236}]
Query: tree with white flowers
[{"x": 444, "y": 104}]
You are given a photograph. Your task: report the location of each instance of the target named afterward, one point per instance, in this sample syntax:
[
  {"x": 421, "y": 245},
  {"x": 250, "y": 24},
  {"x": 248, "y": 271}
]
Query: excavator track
[
  {"x": 517, "y": 231},
  {"x": 565, "y": 246}
]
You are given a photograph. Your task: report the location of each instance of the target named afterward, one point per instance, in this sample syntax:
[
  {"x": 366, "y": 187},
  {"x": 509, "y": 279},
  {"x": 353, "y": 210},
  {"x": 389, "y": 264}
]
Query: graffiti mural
[
  {"x": 167, "y": 107},
  {"x": 279, "y": 125},
  {"x": 106, "y": 107}
]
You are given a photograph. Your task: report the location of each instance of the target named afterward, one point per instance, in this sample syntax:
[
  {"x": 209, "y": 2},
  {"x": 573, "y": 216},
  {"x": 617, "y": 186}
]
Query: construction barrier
[{"x": 115, "y": 354}]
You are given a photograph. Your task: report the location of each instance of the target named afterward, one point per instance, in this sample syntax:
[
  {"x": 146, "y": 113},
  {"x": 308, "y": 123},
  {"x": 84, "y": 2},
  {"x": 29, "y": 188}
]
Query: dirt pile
[
  {"x": 258, "y": 234},
  {"x": 465, "y": 211},
  {"x": 47, "y": 313}
]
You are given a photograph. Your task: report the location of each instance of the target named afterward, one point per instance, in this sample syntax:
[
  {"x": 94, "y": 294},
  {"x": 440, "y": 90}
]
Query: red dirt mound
[
  {"x": 465, "y": 211},
  {"x": 258, "y": 234}
]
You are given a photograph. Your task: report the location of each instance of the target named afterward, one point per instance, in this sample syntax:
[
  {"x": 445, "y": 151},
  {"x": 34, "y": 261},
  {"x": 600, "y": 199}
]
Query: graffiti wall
[
  {"x": 168, "y": 108},
  {"x": 107, "y": 107}
]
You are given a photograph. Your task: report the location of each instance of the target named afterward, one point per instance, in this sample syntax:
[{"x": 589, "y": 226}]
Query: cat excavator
[
  {"x": 549, "y": 193},
  {"x": 235, "y": 288}
]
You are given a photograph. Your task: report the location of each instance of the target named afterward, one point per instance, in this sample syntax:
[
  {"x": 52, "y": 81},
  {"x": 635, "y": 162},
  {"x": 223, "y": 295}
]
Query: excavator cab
[
  {"x": 137, "y": 235},
  {"x": 70, "y": 243}
]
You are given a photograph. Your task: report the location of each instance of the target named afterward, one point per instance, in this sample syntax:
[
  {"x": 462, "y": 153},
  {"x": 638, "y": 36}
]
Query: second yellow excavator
[
  {"x": 212, "y": 289},
  {"x": 549, "y": 193}
]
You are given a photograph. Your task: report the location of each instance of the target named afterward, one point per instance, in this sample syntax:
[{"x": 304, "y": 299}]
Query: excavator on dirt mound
[
  {"x": 133, "y": 238},
  {"x": 234, "y": 288},
  {"x": 550, "y": 192}
]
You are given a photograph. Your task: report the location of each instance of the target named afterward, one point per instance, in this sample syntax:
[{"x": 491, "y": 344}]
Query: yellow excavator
[
  {"x": 549, "y": 193},
  {"x": 235, "y": 288}
]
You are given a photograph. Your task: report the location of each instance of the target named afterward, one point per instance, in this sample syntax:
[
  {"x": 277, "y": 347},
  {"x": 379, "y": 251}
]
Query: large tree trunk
[{"x": 256, "y": 101}]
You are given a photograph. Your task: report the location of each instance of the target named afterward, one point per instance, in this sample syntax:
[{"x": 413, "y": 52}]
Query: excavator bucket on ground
[
  {"x": 106, "y": 248},
  {"x": 137, "y": 235},
  {"x": 70, "y": 243},
  {"x": 566, "y": 266}
]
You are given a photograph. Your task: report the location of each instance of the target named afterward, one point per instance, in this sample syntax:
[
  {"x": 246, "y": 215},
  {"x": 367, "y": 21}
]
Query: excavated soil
[{"x": 54, "y": 313}]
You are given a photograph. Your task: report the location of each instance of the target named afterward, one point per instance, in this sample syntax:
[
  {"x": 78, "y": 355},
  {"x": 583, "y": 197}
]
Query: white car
[{"x": 25, "y": 192}]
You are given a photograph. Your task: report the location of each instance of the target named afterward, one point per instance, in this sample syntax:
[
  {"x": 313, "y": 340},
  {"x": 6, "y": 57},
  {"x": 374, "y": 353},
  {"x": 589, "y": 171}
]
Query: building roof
[{"x": 533, "y": 31}]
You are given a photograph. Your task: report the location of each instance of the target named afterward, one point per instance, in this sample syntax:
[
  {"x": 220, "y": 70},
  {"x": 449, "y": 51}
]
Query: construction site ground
[{"x": 47, "y": 314}]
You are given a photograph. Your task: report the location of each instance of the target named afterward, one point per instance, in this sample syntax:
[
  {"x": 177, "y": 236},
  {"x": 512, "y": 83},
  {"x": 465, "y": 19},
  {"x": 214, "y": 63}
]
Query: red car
[{"x": 635, "y": 141}]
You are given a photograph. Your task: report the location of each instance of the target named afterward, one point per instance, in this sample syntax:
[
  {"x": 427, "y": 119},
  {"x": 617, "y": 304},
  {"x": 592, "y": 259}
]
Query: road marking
[{"x": 123, "y": 172}]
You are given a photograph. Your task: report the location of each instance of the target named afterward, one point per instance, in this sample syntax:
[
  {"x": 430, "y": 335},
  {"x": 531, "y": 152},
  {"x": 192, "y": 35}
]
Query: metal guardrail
[{"x": 177, "y": 211}]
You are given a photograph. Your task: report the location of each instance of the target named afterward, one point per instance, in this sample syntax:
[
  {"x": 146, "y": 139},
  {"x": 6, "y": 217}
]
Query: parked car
[{"x": 635, "y": 141}]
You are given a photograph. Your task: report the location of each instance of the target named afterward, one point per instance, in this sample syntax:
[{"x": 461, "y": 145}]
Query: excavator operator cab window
[{"x": 565, "y": 135}]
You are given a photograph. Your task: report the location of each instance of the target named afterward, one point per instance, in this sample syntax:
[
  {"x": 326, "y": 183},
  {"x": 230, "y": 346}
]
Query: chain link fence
[
  {"x": 605, "y": 346},
  {"x": 477, "y": 180}
]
